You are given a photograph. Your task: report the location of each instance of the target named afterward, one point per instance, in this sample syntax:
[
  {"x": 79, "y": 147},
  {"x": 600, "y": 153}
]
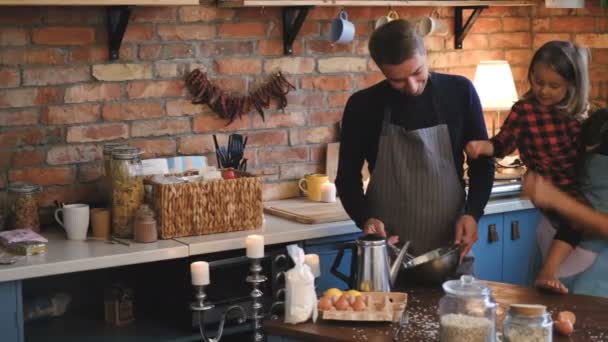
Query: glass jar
[
  {"x": 145, "y": 225},
  {"x": 106, "y": 181},
  {"x": 528, "y": 323},
  {"x": 467, "y": 312},
  {"x": 23, "y": 206},
  {"x": 127, "y": 190}
]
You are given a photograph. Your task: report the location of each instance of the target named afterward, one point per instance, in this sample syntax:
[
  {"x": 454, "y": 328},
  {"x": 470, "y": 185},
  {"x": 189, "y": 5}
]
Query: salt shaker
[{"x": 328, "y": 192}]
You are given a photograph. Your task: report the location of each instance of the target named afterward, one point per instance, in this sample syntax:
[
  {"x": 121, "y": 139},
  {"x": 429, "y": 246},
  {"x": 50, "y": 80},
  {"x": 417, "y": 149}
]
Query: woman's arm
[{"x": 545, "y": 195}]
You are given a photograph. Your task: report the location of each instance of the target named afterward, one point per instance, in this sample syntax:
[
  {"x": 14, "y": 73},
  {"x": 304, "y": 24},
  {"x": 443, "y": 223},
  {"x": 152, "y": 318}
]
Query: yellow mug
[{"x": 311, "y": 185}]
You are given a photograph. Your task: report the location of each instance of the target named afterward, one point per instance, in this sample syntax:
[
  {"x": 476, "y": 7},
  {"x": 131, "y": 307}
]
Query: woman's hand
[
  {"x": 541, "y": 191},
  {"x": 479, "y": 148}
]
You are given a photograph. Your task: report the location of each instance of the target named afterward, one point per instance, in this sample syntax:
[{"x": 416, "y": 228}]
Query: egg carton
[{"x": 381, "y": 306}]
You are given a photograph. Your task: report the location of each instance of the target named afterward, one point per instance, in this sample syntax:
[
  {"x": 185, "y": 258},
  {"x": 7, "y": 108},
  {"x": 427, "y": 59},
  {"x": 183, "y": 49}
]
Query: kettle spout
[{"x": 396, "y": 266}]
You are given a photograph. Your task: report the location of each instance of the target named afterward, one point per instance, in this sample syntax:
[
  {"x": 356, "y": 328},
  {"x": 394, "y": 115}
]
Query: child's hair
[
  {"x": 570, "y": 62},
  {"x": 594, "y": 132}
]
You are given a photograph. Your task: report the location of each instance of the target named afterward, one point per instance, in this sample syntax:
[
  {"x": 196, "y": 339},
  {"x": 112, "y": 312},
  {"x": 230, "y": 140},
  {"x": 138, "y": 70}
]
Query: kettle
[{"x": 371, "y": 269}]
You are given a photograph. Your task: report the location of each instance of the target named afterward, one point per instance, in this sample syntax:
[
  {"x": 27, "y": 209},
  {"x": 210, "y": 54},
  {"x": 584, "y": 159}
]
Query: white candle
[
  {"x": 199, "y": 271},
  {"x": 328, "y": 192},
  {"x": 255, "y": 246},
  {"x": 312, "y": 260}
]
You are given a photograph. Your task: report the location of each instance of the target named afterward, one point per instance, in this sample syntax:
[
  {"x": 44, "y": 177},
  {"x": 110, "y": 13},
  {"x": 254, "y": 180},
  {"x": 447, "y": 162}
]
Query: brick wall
[{"x": 60, "y": 99}]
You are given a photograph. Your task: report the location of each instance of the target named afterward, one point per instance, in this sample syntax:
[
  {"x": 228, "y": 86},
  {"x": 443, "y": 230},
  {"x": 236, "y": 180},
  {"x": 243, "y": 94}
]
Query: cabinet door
[
  {"x": 11, "y": 316},
  {"x": 488, "y": 249},
  {"x": 520, "y": 247}
]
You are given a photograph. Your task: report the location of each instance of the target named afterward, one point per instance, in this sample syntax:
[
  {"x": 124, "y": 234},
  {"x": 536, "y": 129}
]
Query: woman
[{"x": 585, "y": 271}]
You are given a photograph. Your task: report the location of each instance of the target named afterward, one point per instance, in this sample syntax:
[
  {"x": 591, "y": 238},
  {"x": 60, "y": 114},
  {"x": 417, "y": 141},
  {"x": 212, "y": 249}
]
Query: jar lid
[
  {"x": 109, "y": 147},
  {"x": 466, "y": 286},
  {"x": 24, "y": 187},
  {"x": 529, "y": 310},
  {"x": 126, "y": 153}
]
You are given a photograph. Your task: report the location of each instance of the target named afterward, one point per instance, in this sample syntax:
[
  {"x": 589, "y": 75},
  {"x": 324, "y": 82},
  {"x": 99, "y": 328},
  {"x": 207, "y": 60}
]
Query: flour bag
[{"x": 300, "y": 295}]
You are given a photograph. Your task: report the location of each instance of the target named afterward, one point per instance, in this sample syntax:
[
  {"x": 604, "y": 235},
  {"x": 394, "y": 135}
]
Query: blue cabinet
[
  {"x": 507, "y": 250},
  {"x": 11, "y": 312}
]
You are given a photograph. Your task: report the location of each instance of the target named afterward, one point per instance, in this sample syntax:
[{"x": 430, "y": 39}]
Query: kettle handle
[{"x": 349, "y": 280}]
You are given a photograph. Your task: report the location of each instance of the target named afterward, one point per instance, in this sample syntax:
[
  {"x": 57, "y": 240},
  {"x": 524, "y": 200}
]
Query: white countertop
[{"x": 65, "y": 256}]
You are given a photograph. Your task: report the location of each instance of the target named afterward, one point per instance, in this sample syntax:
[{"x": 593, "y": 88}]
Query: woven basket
[{"x": 208, "y": 207}]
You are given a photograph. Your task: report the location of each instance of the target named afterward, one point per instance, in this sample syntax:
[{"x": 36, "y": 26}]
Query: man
[{"x": 411, "y": 129}]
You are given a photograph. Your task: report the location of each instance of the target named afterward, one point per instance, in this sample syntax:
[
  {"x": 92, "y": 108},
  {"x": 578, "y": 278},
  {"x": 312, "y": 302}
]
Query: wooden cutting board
[{"x": 304, "y": 211}]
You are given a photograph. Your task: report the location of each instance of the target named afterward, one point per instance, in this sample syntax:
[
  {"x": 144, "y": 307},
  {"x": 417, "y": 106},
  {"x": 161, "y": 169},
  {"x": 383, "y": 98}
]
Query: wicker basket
[{"x": 208, "y": 207}]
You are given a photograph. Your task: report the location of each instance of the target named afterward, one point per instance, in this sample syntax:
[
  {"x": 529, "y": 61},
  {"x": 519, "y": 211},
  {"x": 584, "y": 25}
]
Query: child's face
[{"x": 548, "y": 86}]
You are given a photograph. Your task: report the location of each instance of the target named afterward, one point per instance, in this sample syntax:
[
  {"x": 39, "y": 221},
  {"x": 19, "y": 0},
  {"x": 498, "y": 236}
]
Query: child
[{"x": 545, "y": 127}]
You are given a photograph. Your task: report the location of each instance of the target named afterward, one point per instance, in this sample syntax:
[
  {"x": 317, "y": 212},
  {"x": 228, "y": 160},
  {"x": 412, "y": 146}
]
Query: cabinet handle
[
  {"x": 492, "y": 233},
  {"x": 515, "y": 230}
]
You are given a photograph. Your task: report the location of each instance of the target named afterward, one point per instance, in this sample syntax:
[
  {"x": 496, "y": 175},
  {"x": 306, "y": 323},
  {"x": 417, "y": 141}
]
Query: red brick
[
  {"x": 160, "y": 127},
  {"x": 76, "y": 193},
  {"x": 283, "y": 155},
  {"x": 242, "y": 30},
  {"x": 280, "y": 120},
  {"x": 55, "y": 75},
  {"x": 597, "y": 41},
  {"x": 305, "y": 100},
  {"x": 572, "y": 24},
  {"x": 74, "y": 15},
  {"x": 98, "y": 132},
  {"x": 516, "y": 24},
  {"x": 281, "y": 190},
  {"x": 43, "y": 176},
  {"x": 267, "y": 138},
  {"x": 499, "y": 11},
  {"x": 13, "y": 36},
  {"x": 22, "y": 137},
  {"x": 318, "y": 153},
  {"x": 323, "y": 13},
  {"x": 196, "y": 144},
  {"x": 150, "y": 51},
  {"x": 132, "y": 111},
  {"x": 5, "y": 160},
  {"x": 186, "y": 32},
  {"x": 297, "y": 171},
  {"x": 90, "y": 172},
  {"x": 140, "y": 90},
  {"x": 167, "y": 70},
  {"x": 205, "y": 13},
  {"x": 154, "y": 148},
  {"x": 326, "y": 117},
  {"x": 519, "y": 57},
  {"x": 327, "y": 47},
  {"x": 327, "y": 83},
  {"x": 63, "y": 35},
  {"x": 312, "y": 135},
  {"x": 9, "y": 78},
  {"x": 274, "y": 47},
  {"x": 338, "y": 100},
  {"x": 238, "y": 66},
  {"x": 341, "y": 64},
  {"x": 73, "y": 154},
  {"x": 26, "y": 97},
  {"x": 27, "y": 158},
  {"x": 510, "y": 40},
  {"x": 232, "y": 85},
  {"x": 473, "y": 42},
  {"x": 146, "y": 14},
  {"x": 487, "y": 25},
  {"x": 469, "y": 58},
  {"x": 367, "y": 80},
  {"x": 70, "y": 114},
  {"x": 433, "y": 43},
  {"x": 542, "y": 38},
  {"x": 138, "y": 33},
  {"x": 364, "y": 13},
  {"x": 212, "y": 123},
  {"x": 96, "y": 54},
  {"x": 226, "y": 48},
  {"x": 289, "y": 65},
  {"x": 176, "y": 51},
  {"x": 185, "y": 107},
  {"x": 468, "y": 72},
  {"x": 92, "y": 92},
  {"x": 541, "y": 25},
  {"x": 600, "y": 56},
  {"x": 22, "y": 117},
  {"x": 19, "y": 15}
]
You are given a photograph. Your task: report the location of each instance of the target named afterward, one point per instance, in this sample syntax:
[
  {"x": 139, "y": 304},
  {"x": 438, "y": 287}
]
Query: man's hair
[{"x": 394, "y": 42}]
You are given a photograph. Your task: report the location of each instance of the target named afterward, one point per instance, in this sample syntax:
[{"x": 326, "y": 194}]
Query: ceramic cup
[
  {"x": 390, "y": 16},
  {"x": 100, "y": 222},
  {"x": 75, "y": 220},
  {"x": 311, "y": 185},
  {"x": 431, "y": 26},
  {"x": 342, "y": 30}
]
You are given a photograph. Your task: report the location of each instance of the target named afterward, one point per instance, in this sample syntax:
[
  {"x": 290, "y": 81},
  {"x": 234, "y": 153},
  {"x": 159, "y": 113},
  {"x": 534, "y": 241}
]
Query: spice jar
[
  {"x": 23, "y": 206},
  {"x": 467, "y": 312},
  {"x": 145, "y": 225},
  {"x": 528, "y": 323},
  {"x": 127, "y": 190}
]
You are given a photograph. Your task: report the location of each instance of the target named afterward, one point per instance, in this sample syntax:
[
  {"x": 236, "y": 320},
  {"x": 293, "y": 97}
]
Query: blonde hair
[{"x": 570, "y": 62}]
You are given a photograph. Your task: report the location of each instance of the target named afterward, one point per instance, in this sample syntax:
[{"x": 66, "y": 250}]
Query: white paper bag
[{"x": 300, "y": 295}]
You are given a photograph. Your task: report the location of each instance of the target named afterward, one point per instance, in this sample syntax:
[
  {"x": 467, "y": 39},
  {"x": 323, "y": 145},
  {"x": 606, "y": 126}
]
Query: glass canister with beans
[{"x": 23, "y": 206}]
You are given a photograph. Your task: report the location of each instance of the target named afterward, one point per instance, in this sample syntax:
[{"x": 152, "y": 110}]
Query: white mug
[
  {"x": 428, "y": 25},
  {"x": 342, "y": 30},
  {"x": 390, "y": 16},
  {"x": 75, "y": 220}
]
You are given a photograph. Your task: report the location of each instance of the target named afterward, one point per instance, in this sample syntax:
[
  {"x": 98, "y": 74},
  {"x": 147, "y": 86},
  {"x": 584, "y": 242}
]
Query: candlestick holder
[
  {"x": 256, "y": 279},
  {"x": 201, "y": 307}
]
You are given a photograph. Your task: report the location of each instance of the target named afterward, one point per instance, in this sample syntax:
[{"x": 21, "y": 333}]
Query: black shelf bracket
[
  {"x": 460, "y": 31},
  {"x": 293, "y": 18},
  {"x": 118, "y": 19}
]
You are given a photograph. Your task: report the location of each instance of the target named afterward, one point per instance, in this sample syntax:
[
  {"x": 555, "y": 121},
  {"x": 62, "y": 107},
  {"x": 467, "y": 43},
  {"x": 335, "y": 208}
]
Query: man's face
[{"x": 409, "y": 77}]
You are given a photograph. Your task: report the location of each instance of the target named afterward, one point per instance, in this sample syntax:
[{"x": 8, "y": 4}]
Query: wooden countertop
[{"x": 591, "y": 323}]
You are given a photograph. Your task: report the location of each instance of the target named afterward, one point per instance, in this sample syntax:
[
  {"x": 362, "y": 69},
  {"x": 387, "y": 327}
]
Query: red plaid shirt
[{"x": 548, "y": 142}]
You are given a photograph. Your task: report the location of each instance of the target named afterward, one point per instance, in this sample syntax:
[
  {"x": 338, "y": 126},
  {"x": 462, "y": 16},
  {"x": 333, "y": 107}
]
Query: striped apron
[{"x": 414, "y": 188}]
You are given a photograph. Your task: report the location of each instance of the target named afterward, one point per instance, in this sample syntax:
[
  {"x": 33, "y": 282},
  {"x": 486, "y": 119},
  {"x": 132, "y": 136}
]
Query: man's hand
[
  {"x": 374, "y": 226},
  {"x": 466, "y": 234},
  {"x": 479, "y": 148}
]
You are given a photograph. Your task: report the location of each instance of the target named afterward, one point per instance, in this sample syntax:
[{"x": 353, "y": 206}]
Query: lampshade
[{"x": 495, "y": 86}]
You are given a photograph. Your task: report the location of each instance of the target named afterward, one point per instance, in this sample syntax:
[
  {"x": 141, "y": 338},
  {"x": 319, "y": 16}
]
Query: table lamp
[{"x": 495, "y": 87}]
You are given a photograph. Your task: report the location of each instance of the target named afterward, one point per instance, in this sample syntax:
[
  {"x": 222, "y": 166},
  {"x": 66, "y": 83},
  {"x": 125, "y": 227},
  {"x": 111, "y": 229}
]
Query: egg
[
  {"x": 325, "y": 303},
  {"x": 566, "y": 316},
  {"x": 359, "y": 304},
  {"x": 564, "y": 327},
  {"x": 342, "y": 304}
]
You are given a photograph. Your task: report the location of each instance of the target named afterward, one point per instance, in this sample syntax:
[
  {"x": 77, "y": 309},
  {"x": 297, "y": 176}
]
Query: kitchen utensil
[
  {"x": 311, "y": 185},
  {"x": 217, "y": 148},
  {"x": 374, "y": 272},
  {"x": 433, "y": 267},
  {"x": 342, "y": 30},
  {"x": 304, "y": 211},
  {"x": 75, "y": 220}
]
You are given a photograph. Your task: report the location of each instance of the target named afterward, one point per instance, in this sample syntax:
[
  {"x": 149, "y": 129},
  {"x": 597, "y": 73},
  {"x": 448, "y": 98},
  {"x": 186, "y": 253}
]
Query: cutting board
[{"x": 304, "y": 211}]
